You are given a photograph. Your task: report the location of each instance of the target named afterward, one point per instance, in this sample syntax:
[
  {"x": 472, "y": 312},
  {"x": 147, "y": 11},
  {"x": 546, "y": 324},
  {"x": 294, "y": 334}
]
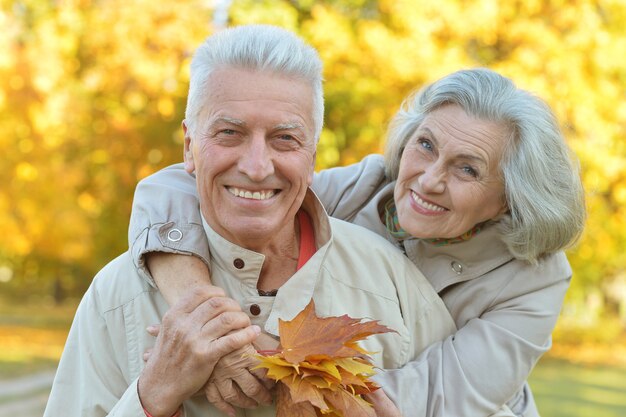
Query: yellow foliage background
[{"x": 92, "y": 94}]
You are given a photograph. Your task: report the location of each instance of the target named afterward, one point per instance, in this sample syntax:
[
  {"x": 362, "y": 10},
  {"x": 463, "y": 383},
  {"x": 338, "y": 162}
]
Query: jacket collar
[
  {"x": 296, "y": 293},
  {"x": 458, "y": 262}
]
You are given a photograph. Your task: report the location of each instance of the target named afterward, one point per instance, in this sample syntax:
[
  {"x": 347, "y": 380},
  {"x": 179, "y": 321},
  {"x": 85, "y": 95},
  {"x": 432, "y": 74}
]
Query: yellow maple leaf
[{"x": 320, "y": 368}]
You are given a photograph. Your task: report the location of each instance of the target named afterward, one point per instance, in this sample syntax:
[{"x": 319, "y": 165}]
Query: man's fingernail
[{"x": 256, "y": 329}]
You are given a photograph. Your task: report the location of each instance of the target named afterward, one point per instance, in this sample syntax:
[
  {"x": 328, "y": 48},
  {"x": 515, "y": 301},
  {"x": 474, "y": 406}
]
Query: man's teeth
[
  {"x": 256, "y": 195},
  {"x": 426, "y": 205}
]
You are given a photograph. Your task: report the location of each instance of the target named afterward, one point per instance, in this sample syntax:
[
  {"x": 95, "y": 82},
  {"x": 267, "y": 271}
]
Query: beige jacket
[
  {"x": 353, "y": 272},
  {"x": 505, "y": 309}
]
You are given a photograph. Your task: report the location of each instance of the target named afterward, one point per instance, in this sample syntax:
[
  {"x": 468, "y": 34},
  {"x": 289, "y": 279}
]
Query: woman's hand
[
  {"x": 383, "y": 406},
  {"x": 265, "y": 343},
  {"x": 234, "y": 384}
]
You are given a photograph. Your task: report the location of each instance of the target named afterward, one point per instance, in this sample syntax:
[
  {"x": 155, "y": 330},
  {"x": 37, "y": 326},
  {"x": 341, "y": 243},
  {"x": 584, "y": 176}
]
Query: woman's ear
[
  {"x": 503, "y": 210},
  {"x": 190, "y": 167}
]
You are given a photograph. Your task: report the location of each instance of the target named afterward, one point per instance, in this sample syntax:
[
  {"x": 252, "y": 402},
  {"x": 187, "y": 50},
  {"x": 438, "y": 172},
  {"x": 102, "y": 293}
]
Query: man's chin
[{"x": 255, "y": 230}]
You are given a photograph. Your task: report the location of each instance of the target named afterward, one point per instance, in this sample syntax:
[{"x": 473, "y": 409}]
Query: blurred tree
[
  {"x": 92, "y": 94},
  {"x": 567, "y": 52}
]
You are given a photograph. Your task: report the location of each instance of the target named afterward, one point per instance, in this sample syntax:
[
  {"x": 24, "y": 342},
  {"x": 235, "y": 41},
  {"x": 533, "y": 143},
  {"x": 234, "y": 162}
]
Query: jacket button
[
  {"x": 174, "y": 235},
  {"x": 456, "y": 267},
  {"x": 239, "y": 263},
  {"x": 255, "y": 310}
]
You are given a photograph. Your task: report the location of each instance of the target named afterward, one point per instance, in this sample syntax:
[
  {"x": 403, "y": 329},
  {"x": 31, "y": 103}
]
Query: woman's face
[{"x": 449, "y": 178}]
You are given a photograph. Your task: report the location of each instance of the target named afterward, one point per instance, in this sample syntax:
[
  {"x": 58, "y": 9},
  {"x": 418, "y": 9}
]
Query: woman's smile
[{"x": 429, "y": 206}]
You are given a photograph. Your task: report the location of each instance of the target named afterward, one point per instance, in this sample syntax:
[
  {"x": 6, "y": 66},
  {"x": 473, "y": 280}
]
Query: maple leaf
[
  {"x": 320, "y": 368},
  {"x": 286, "y": 407},
  {"x": 310, "y": 337}
]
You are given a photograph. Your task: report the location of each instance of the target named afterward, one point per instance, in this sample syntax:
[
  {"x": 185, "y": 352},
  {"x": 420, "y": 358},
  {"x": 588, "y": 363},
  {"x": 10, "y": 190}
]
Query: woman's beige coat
[{"x": 505, "y": 309}]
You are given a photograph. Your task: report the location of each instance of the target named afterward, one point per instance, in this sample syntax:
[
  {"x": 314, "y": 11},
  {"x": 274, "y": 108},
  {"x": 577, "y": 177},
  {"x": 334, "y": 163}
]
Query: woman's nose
[{"x": 433, "y": 179}]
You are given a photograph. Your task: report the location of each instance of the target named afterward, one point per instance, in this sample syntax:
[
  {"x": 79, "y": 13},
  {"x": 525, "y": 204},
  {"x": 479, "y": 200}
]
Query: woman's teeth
[{"x": 427, "y": 206}]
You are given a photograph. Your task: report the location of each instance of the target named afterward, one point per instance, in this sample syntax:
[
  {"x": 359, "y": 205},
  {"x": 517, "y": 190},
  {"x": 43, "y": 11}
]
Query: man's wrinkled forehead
[{"x": 228, "y": 88}]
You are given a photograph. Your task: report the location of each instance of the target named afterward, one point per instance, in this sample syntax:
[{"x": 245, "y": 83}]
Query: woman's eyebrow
[
  {"x": 473, "y": 158},
  {"x": 466, "y": 156},
  {"x": 431, "y": 135}
]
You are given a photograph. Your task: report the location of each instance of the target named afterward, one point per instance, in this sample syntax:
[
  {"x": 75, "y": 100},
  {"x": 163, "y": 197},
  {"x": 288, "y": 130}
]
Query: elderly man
[{"x": 253, "y": 117}]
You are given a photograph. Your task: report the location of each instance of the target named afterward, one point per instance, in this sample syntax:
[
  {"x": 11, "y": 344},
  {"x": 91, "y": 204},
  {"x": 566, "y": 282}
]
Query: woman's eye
[
  {"x": 470, "y": 171},
  {"x": 425, "y": 143}
]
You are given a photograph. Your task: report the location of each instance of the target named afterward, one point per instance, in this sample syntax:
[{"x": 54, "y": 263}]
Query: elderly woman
[{"x": 478, "y": 189}]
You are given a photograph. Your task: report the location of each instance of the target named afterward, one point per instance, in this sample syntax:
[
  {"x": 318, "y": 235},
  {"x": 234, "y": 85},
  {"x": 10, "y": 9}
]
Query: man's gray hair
[
  {"x": 257, "y": 48},
  {"x": 542, "y": 184}
]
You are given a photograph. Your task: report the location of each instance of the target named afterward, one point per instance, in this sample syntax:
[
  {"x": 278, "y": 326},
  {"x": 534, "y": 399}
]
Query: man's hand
[
  {"x": 195, "y": 333},
  {"x": 233, "y": 383}
]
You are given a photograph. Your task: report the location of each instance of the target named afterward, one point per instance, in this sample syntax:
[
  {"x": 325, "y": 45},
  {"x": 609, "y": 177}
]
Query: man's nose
[{"x": 256, "y": 161}]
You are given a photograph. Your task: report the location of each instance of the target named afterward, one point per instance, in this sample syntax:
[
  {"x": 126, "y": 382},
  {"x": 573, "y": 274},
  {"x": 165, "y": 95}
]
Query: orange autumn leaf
[
  {"x": 285, "y": 406},
  {"x": 310, "y": 337},
  {"x": 320, "y": 368},
  {"x": 300, "y": 390}
]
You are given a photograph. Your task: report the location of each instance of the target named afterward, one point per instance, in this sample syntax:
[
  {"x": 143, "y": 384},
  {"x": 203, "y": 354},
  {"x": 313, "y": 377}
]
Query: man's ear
[
  {"x": 312, "y": 171},
  {"x": 190, "y": 167}
]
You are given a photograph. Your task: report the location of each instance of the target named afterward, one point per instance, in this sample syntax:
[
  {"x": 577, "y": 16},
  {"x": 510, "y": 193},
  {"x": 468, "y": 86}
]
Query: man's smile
[{"x": 249, "y": 194}]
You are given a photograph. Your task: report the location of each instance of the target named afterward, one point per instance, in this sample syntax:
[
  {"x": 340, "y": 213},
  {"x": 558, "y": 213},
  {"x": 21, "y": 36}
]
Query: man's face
[{"x": 253, "y": 151}]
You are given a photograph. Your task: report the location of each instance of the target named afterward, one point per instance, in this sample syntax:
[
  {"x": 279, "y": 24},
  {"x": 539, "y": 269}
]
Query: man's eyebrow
[
  {"x": 287, "y": 126},
  {"x": 224, "y": 119}
]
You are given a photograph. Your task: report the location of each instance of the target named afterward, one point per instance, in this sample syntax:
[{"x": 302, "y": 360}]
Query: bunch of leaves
[{"x": 319, "y": 367}]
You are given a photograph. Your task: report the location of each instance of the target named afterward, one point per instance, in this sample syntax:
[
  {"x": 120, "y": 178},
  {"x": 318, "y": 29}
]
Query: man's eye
[
  {"x": 286, "y": 137},
  {"x": 228, "y": 132}
]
